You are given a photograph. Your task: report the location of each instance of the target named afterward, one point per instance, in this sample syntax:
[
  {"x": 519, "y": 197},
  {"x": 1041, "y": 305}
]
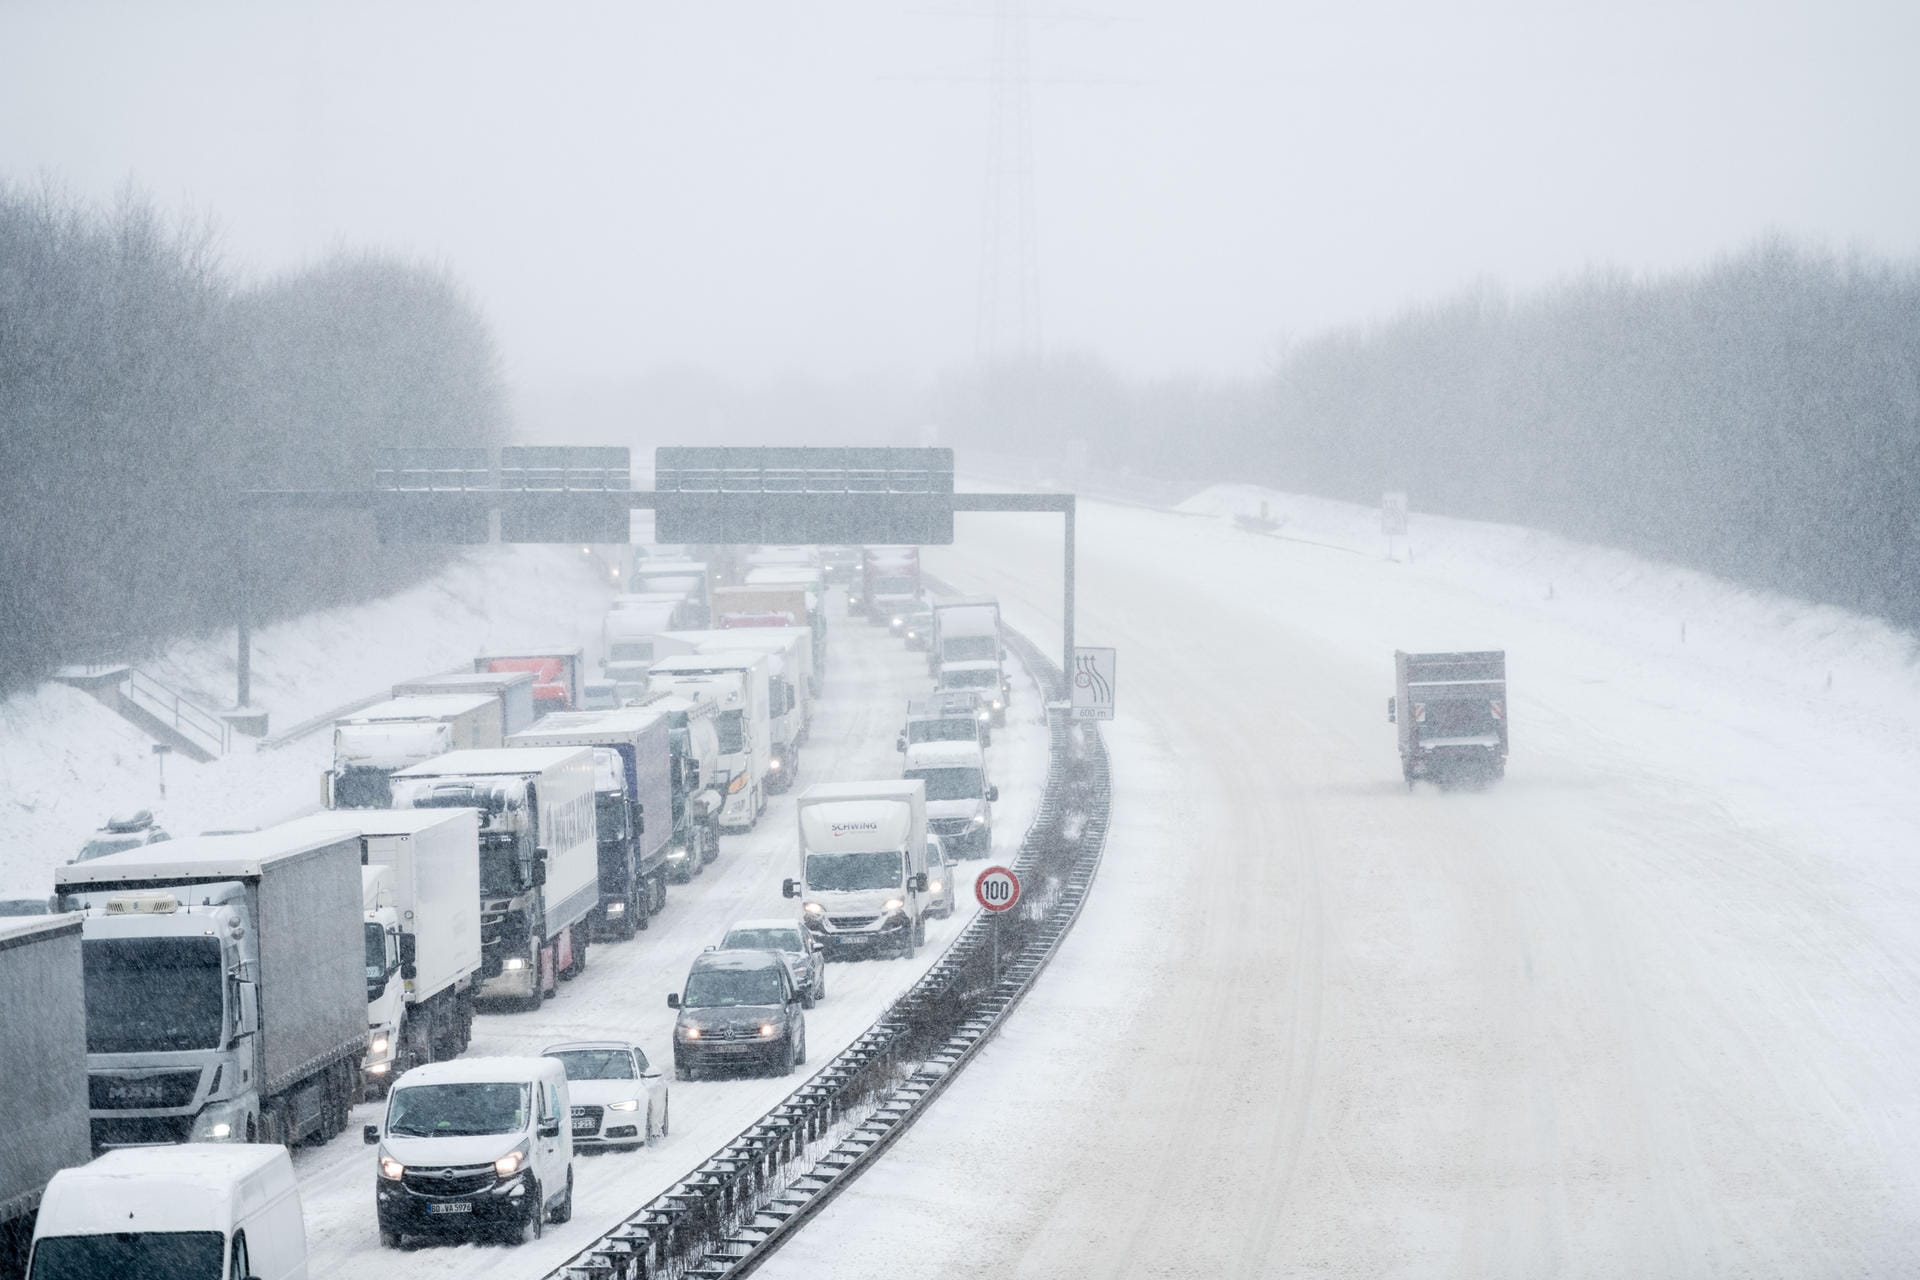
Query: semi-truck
[
  {"x": 539, "y": 868},
  {"x": 790, "y": 685},
  {"x": 420, "y": 913},
  {"x": 43, "y": 1059},
  {"x": 629, "y": 630},
  {"x": 697, "y": 782},
  {"x": 689, "y": 578},
  {"x": 1450, "y": 713},
  {"x": 225, "y": 993},
  {"x": 738, "y": 685},
  {"x": 968, "y": 653},
  {"x": 889, "y": 582},
  {"x": 557, "y": 674},
  {"x": 863, "y": 866},
  {"x": 371, "y": 744},
  {"x": 514, "y": 689},
  {"x": 792, "y": 605},
  {"x": 633, "y": 806}
]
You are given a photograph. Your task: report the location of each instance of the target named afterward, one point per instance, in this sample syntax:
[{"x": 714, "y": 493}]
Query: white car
[
  {"x": 618, "y": 1099},
  {"x": 940, "y": 873}
]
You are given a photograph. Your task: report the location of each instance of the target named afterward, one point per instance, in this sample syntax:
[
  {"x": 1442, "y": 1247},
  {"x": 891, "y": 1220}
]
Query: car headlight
[
  {"x": 895, "y": 904},
  {"x": 689, "y": 1033},
  {"x": 814, "y": 909},
  {"x": 625, "y": 1104},
  {"x": 738, "y": 784},
  {"x": 998, "y": 705},
  {"x": 934, "y": 887},
  {"x": 899, "y": 622},
  {"x": 380, "y": 1044},
  {"x": 767, "y": 1029},
  {"x": 391, "y": 1169},
  {"x": 773, "y": 765},
  {"x": 984, "y": 714},
  {"x": 511, "y": 1163},
  {"x": 221, "y": 1131}
]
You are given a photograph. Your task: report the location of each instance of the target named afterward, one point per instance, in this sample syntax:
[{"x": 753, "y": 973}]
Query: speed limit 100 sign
[{"x": 997, "y": 889}]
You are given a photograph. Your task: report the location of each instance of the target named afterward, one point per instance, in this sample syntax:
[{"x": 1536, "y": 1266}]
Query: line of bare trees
[{"x": 142, "y": 386}]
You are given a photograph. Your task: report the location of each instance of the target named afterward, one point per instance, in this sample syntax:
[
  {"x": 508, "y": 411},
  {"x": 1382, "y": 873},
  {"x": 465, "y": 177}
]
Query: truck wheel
[{"x": 579, "y": 965}]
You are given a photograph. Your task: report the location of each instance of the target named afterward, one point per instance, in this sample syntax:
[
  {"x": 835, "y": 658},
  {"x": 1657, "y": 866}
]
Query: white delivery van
[
  {"x": 863, "y": 866},
  {"x": 959, "y": 797},
  {"x": 482, "y": 1146},
  {"x": 225, "y": 1211}
]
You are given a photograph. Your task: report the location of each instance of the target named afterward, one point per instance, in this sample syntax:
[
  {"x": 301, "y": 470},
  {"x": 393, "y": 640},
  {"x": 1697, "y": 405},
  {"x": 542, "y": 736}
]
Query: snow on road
[{"x": 1645, "y": 1008}]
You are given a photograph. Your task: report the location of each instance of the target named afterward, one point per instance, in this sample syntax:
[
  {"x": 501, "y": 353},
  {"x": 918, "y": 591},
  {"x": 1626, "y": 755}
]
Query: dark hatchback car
[{"x": 740, "y": 1008}]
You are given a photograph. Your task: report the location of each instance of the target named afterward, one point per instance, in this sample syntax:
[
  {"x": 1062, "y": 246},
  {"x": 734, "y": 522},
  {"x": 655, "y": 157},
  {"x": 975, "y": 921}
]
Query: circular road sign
[{"x": 997, "y": 889}]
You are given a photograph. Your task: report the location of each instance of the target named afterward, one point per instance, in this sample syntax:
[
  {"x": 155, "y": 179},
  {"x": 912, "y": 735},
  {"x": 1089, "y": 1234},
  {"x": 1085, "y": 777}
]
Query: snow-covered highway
[{"x": 1646, "y": 1008}]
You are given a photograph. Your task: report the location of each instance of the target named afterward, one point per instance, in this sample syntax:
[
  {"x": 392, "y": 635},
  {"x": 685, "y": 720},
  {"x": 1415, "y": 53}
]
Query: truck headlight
[
  {"x": 985, "y": 714},
  {"x": 509, "y": 1164},
  {"x": 625, "y": 1104},
  {"x": 391, "y": 1169},
  {"x": 220, "y": 1132},
  {"x": 379, "y": 1068},
  {"x": 616, "y": 908},
  {"x": 381, "y": 1044},
  {"x": 934, "y": 887},
  {"x": 773, "y": 765},
  {"x": 814, "y": 909},
  {"x": 979, "y": 819},
  {"x": 894, "y": 904},
  {"x": 514, "y": 962}
]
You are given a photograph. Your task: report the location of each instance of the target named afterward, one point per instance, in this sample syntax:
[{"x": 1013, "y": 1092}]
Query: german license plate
[
  {"x": 450, "y": 1206},
  {"x": 583, "y": 1124}
]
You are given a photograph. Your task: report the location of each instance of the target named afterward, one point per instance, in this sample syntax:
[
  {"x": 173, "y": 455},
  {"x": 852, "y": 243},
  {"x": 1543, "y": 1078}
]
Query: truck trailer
[
  {"x": 514, "y": 689},
  {"x": 697, "y": 782},
  {"x": 1450, "y": 713},
  {"x": 790, "y": 685},
  {"x": 739, "y": 686},
  {"x": 557, "y": 674},
  {"x": 43, "y": 1059},
  {"x": 371, "y": 744},
  {"x": 225, "y": 993}
]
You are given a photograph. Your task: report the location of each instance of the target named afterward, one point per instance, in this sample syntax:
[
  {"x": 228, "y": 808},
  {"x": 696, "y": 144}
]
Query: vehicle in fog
[
  {"x": 941, "y": 868},
  {"x": 514, "y": 689},
  {"x": 739, "y": 1008},
  {"x": 863, "y": 866},
  {"x": 218, "y": 1211},
  {"x": 806, "y": 958},
  {"x": 1450, "y": 713},
  {"x": 43, "y": 1060},
  {"x": 479, "y": 1147},
  {"x": 691, "y": 580},
  {"x": 629, "y": 629},
  {"x": 959, "y": 797},
  {"x": 790, "y": 685},
  {"x": 618, "y": 1098},
  {"x": 968, "y": 653},
  {"x": 889, "y": 583},
  {"x": 225, "y": 993},
  {"x": 918, "y": 631},
  {"x": 557, "y": 673},
  {"x": 539, "y": 861},
  {"x": 371, "y": 745},
  {"x": 697, "y": 782},
  {"x": 958, "y": 715},
  {"x": 740, "y": 687},
  {"x": 122, "y": 831}
]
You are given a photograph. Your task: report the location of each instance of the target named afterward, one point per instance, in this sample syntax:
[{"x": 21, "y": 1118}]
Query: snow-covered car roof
[
  {"x": 478, "y": 1071},
  {"x": 782, "y": 923}
]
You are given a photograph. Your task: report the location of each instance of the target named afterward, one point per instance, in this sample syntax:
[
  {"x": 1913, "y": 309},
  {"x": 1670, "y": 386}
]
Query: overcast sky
[{"x": 793, "y": 186}]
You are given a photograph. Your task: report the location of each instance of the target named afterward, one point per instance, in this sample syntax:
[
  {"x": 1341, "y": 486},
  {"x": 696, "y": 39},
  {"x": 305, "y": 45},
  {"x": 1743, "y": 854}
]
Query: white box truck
[
  {"x": 43, "y": 1059},
  {"x": 738, "y": 685},
  {"x": 420, "y": 913},
  {"x": 633, "y": 804},
  {"x": 863, "y": 866},
  {"x": 790, "y": 684},
  {"x": 539, "y": 869},
  {"x": 225, "y": 996},
  {"x": 514, "y": 689},
  {"x": 371, "y": 745},
  {"x": 221, "y": 1211},
  {"x": 967, "y": 652}
]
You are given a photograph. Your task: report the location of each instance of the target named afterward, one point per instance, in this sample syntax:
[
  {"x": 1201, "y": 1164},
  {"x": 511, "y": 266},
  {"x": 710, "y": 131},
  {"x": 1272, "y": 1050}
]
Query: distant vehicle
[
  {"x": 122, "y": 831},
  {"x": 1450, "y": 710},
  {"x": 376, "y": 742},
  {"x": 153, "y": 1213},
  {"x": 806, "y": 958},
  {"x": 957, "y": 715},
  {"x": 599, "y": 695},
  {"x": 740, "y": 687},
  {"x": 889, "y": 583},
  {"x": 481, "y": 1146},
  {"x": 739, "y": 1007},
  {"x": 919, "y": 626},
  {"x": 514, "y": 689},
  {"x": 619, "y": 1100},
  {"x": 968, "y": 652},
  {"x": 27, "y": 902},
  {"x": 557, "y": 673},
  {"x": 840, "y": 564},
  {"x": 940, "y": 873},
  {"x": 959, "y": 797}
]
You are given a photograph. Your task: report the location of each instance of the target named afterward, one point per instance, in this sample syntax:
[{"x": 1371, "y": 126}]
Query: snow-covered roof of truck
[
  {"x": 18, "y": 930},
  {"x": 890, "y": 789},
  {"x": 502, "y": 1070},
  {"x": 379, "y": 822},
  {"x": 945, "y": 755},
  {"x": 487, "y": 760},
  {"x": 192, "y": 1186},
  {"x": 462, "y": 680},
  {"x": 421, "y": 706},
  {"x": 624, "y": 721},
  {"x": 703, "y": 663},
  {"x": 202, "y": 857}
]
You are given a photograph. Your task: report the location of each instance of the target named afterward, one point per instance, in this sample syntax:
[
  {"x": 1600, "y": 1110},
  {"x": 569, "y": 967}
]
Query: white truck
[
  {"x": 967, "y": 652},
  {"x": 420, "y": 903},
  {"x": 220, "y": 1211},
  {"x": 43, "y": 1059},
  {"x": 959, "y": 797},
  {"x": 863, "y": 866},
  {"x": 539, "y": 868},
  {"x": 738, "y": 685},
  {"x": 225, "y": 996},
  {"x": 689, "y": 578},
  {"x": 628, "y": 632},
  {"x": 697, "y": 782},
  {"x": 514, "y": 689},
  {"x": 790, "y": 684},
  {"x": 371, "y": 745}
]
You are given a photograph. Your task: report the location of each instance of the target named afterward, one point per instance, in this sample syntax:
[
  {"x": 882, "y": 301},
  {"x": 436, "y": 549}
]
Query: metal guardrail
[
  {"x": 733, "y": 1211},
  {"x": 199, "y": 726}
]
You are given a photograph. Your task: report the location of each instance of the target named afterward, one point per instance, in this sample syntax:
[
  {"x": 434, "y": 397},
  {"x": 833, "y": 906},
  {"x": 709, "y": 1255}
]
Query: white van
[
  {"x": 959, "y": 797},
  {"x": 222, "y": 1210},
  {"x": 480, "y": 1146}
]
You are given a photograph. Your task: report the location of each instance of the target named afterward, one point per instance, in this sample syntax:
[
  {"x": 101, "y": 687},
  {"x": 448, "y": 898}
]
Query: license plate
[
  {"x": 583, "y": 1125},
  {"x": 451, "y": 1206}
]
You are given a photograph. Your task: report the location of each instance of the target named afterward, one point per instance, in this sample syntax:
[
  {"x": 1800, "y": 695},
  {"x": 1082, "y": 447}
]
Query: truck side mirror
[
  {"x": 673, "y": 999},
  {"x": 789, "y": 888},
  {"x": 549, "y": 1128},
  {"x": 1393, "y": 710},
  {"x": 900, "y": 743},
  {"x": 919, "y": 882},
  {"x": 993, "y": 793},
  {"x": 370, "y": 1135},
  {"x": 539, "y": 876},
  {"x": 409, "y": 946}
]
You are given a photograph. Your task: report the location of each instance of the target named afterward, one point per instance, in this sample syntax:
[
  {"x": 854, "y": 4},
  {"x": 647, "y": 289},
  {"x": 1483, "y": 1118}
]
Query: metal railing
[
  {"x": 197, "y": 725},
  {"x": 733, "y": 1211}
]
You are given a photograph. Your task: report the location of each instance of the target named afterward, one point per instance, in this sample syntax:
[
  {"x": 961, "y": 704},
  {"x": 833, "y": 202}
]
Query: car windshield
[
  {"x": 763, "y": 940},
  {"x": 360, "y": 788},
  {"x": 732, "y": 734},
  {"x": 458, "y": 1110},
  {"x": 830, "y": 871},
  {"x": 966, "y": 730},
  {"x": 950, "y": 784},
  {"x": 982, "y": 679},
  {"x": 152, "y": 995},
  {"x": 596, "y": 1064},
  {"x": 26, "y": 907},
  {"x": 101, "y": 846},
  {"x": 729, "y": 988},
  {"x": 149, "y": 1255}
]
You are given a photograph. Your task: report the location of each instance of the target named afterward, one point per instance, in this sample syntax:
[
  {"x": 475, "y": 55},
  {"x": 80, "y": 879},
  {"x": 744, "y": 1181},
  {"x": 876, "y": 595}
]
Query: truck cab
[
  {"x": 863, "y": 866},
  {"x": 959, "y": 797},
  {"x": 371, "y": 745},
  {"x": 386, "y": 989},
  {"x": 738, "y": 685},
  {"x": 955, "y": 716}
]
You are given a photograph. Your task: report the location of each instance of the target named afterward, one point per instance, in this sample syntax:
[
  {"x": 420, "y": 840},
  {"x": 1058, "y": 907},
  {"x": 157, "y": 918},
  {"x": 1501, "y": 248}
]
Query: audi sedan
[{"x": 618, "y": 1099}]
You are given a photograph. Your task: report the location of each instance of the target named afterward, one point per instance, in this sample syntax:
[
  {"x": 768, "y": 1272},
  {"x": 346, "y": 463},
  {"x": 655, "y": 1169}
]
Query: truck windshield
[
  {"x": 731, "y": 725},
  {"x": 985, "y": 679},
  {"x": 458, "y": 1110},
  {"x": 1461, "y": 718},
  {"x": 153, "y": 995},
  {"x": 950, "y": 784},
  {"x": 151, "y": 1255},
  {"x": 596, "y": 1064},
  {"x": 969, "y": 648},
  {"x": 499, "y": 868},
  {"x": 610, "y": 812},
  {"x": 358, "y": 788},
  {"x": 852, "y": 871},
  {"x": 962, "y": 730},
  {"x": 728, "y": 988}
]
